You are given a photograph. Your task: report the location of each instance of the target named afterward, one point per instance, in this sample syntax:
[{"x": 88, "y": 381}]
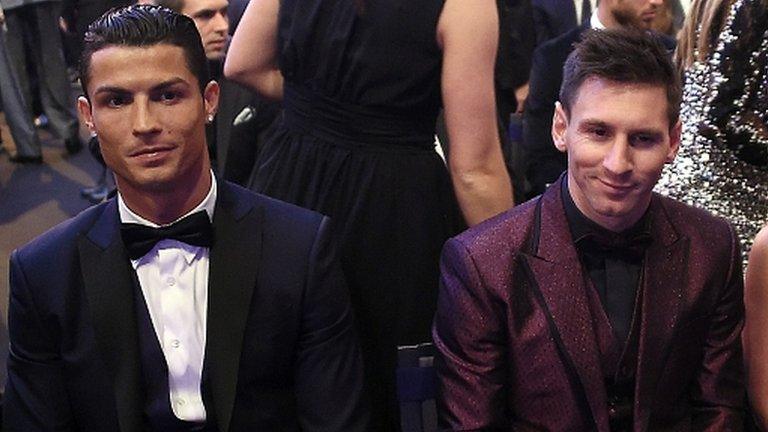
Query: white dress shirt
[
  {"x": 174, "y": 280},
  {"x": 594, "y": 21},
  {"x": 577, "y": 5}
]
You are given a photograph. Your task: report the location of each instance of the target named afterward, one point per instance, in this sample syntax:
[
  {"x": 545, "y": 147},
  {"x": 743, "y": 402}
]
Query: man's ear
[
  {"x": 559, "y": 127},
  {"x": 211, "y": 98},
  {"x": 674, "y": 141},
  {"x": 84, "y": 109}
]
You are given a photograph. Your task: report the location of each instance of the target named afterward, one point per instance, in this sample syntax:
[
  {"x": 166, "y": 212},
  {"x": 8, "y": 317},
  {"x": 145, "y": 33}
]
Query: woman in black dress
[{"x": 362, "y": 83}]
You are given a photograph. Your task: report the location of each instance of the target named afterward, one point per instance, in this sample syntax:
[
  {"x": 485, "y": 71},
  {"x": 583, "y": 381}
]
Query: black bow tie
[
  {"x": 632, "y": 246},
  {"x": 194, "y": 230}
]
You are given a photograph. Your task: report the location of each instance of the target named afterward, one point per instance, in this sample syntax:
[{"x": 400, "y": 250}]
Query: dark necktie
[
  {"x": 620, "y": 256},
  {"x": 194, "y": 230},
  {"x": 586, "y": 11}
]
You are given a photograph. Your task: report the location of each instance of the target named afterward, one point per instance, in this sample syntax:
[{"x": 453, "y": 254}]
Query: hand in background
[{"x": 521, "y": 94}]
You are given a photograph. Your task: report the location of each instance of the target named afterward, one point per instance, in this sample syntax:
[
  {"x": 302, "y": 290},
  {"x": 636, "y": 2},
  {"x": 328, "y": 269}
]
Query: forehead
[
  {"x": 191, "y": 7},
  {"x": 131, "y": 67},
  {"x": 630, "y": 104}
]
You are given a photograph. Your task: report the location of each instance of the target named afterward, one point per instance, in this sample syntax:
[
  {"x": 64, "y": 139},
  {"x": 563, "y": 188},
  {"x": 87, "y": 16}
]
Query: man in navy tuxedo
[{"x": 184, "y": 303}]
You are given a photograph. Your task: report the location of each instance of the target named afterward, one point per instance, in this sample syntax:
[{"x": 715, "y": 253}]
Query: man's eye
[
  {"x": 116, "y": 101},
  {"x": 168, "y": 96},
  {"x": 644, "y": 139},
  {"x": 598, "y": 132}
]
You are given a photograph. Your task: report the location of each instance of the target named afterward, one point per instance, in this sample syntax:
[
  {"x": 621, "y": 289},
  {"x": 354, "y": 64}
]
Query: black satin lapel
[
  {"x": 234, "y": 262},
  {"x": 556, "y": 273},
  {"x": 664, "y": 277},
  {"x": 563, "y": 294},
  {"x": 109, "y": 289}
]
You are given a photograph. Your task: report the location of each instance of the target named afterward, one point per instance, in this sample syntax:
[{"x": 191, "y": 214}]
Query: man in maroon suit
[{"x": 598, "y": 306}]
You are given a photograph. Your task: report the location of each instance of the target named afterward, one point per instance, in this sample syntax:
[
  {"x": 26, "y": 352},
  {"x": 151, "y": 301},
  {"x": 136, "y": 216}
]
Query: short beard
[{"x": 627, "y": 19}]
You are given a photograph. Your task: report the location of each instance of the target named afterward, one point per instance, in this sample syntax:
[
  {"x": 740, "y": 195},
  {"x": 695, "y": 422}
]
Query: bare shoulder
[
  {"x": 758, "y": 256},
  {"x": 756, "y": 277}
]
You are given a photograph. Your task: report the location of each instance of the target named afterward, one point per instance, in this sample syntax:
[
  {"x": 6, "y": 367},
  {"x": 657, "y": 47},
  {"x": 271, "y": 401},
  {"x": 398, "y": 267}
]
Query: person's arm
[
  {"x": 252, "y": 56},
  {"x": 468, "y": 34},
  {"x": 470, "y": 363},
  {"x": 755, "y": 334},
  {"x": 35, "y": 398},
  {"x": 718, "y": 394},
  {"x": 329, "y": 369}
]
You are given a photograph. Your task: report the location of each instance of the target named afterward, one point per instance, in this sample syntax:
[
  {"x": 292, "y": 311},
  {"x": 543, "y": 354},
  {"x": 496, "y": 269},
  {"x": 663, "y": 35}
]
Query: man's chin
[{"x": 215, "y": 56}]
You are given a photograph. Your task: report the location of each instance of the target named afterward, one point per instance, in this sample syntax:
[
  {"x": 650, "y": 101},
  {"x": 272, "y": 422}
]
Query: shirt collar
[
  {"x": 594, "y": 21},
  {"x": 207, "y": 204}
]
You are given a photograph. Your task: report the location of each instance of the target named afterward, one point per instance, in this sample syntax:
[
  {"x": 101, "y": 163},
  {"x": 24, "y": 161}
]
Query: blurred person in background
[
  {"x": 13, "y": 105},
  {"x": 362, "y": 83},
  {"x": 723, "y": 161},
  {"x": 33, "y": 38}
]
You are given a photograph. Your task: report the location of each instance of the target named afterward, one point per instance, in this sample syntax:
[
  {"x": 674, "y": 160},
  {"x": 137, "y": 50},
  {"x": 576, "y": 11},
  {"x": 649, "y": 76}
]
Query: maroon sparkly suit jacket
[{"x": 517, "y": 342}]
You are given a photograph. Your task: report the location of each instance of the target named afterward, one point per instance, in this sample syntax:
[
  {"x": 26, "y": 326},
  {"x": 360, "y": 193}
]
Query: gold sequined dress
[{"x": 722, "y": 165}]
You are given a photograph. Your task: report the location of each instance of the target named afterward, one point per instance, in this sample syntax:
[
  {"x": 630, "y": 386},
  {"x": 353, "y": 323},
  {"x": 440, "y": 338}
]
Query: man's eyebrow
[
  {"x": 206, "y": 11},
  {"x": 169, "y": 83},
  {"x": 121, "y": 90},
  {"x": 593, "y": 123},
  {"x": 110, "y": 89}
]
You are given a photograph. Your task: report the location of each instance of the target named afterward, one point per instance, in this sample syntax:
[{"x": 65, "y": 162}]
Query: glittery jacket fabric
[
  {"x": 517, "y": 344},
  {"x": 722, "y": 165}
]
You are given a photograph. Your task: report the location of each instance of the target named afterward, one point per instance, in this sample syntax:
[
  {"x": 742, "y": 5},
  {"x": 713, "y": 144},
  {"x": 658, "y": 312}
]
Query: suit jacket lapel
[
  {"x": 556, "y": 271},
  {"x": 108, "y": 286},
  {"x": 234, "y": 260},
  {"x": 664, "y": 276}
]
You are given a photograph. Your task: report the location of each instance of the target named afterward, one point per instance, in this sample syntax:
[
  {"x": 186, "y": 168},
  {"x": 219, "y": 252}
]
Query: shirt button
[
  {"x": 175, "y": 343},
  {"x": 180, "y": 402},
  {"x": 170, "y": 281}
]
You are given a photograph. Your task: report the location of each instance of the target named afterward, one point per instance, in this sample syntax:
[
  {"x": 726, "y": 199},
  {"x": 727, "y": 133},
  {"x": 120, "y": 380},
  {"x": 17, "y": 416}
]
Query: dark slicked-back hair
[
  {"x": 145, "y": 26},
  {"x": 626, "y": 56}
]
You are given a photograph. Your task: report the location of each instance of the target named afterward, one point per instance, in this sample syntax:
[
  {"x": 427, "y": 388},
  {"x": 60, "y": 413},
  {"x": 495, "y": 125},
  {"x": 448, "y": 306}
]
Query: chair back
[{"x": 417, "y": 388}]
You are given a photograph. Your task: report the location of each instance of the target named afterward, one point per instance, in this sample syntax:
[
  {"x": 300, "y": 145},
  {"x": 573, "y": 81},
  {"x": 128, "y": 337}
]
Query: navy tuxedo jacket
[
  {"x": 519, "y": 349},
  {"x": 281, "y": 352}
]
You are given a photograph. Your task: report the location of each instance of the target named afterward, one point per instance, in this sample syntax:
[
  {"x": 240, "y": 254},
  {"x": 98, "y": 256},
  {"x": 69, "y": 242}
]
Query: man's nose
[
  {"x": 618, "y": 160},
  {"x": 221, "y": 23},
  {"x": 143, "y": 119}
]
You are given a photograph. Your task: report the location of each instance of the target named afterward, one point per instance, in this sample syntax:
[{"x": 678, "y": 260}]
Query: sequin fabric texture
[{"x": 722, "y": 165}]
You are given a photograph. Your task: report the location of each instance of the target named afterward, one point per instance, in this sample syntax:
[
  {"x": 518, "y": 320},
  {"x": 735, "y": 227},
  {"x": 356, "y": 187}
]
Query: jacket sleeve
[
  {"x": 469, "y": 333},
  {"x": 543, "y": 162},
  {"x": 329, "y": 370},
  {"x": 718, "y": 393},
  {"x": 35, "y": 398}
]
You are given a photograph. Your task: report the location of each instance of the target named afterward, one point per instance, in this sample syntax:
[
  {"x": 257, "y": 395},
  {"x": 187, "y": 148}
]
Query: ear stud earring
[{"x": 210, "y": 118}]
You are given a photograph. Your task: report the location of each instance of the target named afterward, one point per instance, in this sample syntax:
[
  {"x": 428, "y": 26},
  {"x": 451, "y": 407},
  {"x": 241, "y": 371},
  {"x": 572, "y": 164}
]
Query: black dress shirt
[{"x": 612, "y": 260}]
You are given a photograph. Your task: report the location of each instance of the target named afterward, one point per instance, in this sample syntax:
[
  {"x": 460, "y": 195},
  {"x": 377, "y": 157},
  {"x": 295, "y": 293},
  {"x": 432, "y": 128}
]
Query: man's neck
[
  {"x": 166, "y": 206},
  {"x": 606, "y": 18}
]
